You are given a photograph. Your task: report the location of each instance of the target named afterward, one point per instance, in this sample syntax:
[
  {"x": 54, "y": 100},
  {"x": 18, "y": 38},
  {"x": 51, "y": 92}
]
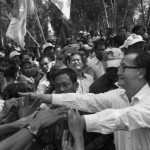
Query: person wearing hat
[
  {"x": 48, "y": 48},
  {"x": 111, "y": 60},
  {"x": 2, "y": 55},
  {"x": 15, "y": 56},
  {"x": 134, "y": 43}
]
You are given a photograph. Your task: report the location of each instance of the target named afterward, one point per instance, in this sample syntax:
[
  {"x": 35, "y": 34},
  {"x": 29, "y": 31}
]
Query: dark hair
[
  {"x": 51, "y": 73},
  {"x": 72, "y": 75},
  {"x": 142, "y": 60},
  {"x": 84, "y": 50},
  {"x": 11, "y": 72},
  {"x": 99, "y": 42},
  {"x": 11, "y": 90},
  {"x": 23, "y": 63},
  {"x": 23, "y": 53},
  {"x": 69, "y": 59},
  {"x": 137, "y": 27},
  {"x": 49, "y": 57}
]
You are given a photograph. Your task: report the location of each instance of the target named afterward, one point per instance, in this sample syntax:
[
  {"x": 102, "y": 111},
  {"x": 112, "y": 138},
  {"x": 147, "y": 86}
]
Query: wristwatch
[{"x": 32, "y": 129}]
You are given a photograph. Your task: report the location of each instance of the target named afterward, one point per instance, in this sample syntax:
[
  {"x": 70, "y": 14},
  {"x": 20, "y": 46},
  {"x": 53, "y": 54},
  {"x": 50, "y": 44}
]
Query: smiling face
[
  {"x": 128, "y": 76},
  {"x": 76, "y": 62}
]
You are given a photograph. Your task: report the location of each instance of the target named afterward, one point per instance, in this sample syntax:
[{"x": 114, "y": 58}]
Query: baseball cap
[
  {"x": 14, "y": 53},
  {"x": 112, "y": 57},
  {"x": 47, "y": 45},
  {"x": 2, "y": 54},
  {"x": 132, "y": 39}
]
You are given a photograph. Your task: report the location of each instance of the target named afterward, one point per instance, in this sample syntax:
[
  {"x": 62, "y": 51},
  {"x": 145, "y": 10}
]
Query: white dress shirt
[
  {"x": 129, "y": 121},
  {"x": 97, "y": 65},
  {"x": 84, "y": 83},
  {"x": 43, "y": 84}
]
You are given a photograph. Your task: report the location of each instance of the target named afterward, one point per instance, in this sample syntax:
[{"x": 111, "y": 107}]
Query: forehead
[
  {"x": 82, "y": 52},
  {"x": 62, "y": 78},
  {"x": 122, "y": 30},
  {"x": 26, "y": 65},
  {"x": 129, "y": 59},
  {"x": 101, "y": 46},
  {"x": 76, "y": 56},
  {"x": 25, "y": 55},
  {"x": 44, "y": 60}
]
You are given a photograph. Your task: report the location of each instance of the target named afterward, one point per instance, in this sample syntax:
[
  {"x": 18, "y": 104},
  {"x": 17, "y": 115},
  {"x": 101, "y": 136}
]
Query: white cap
[
  {"x": 80, "y": 31},
  {"x": 87, "y": 47},
  {"x": 132, "y": 39},
  {"x": 47, "y": 45},
  {"x": 14, "y": 53},
  {"x": 2, "y": 54},
  {"x": 112, "y": 57}
]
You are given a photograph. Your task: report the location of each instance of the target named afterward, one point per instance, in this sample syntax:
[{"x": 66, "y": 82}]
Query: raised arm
[
  {"x": 85, "y": 102},
  {"x": 127, "y": 119}
]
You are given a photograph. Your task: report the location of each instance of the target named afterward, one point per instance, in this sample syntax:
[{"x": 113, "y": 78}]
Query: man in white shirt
[
  {"x": 84, "y": 80},
  {"x": 96, "y": 62},
  {"x": 124, "y": 111}
]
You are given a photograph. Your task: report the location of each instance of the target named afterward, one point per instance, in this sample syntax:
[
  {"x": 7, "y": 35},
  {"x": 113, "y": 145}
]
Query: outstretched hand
[
  {"x": 8, "y": 107},
  {"x": 28, "y": 107},
  {"x": 67, "y": 141},
  {"x": 75, "y": 123},
  {"x": 30, "y": 95},
  {"x": 45, "y": 118}
]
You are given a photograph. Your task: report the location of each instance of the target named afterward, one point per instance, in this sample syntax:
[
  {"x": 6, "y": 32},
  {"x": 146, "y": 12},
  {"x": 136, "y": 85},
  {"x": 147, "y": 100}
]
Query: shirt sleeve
[
  {"x": 128, "y": 119},
  {"x": 86, "y": 102}
]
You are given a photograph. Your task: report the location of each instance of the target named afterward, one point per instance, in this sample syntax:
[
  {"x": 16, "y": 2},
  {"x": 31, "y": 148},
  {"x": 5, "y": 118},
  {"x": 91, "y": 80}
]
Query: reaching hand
[
  {"x": 8, "y": 106},
  {"x": 31, "y": 96},
  {"x": 27, "y": 120},
  {"x": 46, "y": 118},
  {"x": 75, "y": 123},
  {"x": 28, "y": 106},
  {"x": 67, "y": 143}
]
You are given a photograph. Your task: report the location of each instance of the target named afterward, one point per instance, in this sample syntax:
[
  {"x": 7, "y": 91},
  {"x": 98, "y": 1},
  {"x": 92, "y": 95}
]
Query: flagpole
[
  {"x": 38, "y": 21},
  {"x": 33, "y": 38}
]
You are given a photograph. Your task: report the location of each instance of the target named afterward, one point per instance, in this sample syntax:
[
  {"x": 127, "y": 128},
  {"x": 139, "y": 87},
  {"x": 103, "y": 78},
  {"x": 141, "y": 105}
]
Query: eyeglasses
[{"x": 122, "y": 68}]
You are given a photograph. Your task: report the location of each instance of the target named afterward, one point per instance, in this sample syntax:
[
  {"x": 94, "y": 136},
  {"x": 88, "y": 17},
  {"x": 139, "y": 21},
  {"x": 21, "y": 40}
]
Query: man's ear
[
  {"x": 142, "y": 73},
  {"x": 76, "y": 85}
]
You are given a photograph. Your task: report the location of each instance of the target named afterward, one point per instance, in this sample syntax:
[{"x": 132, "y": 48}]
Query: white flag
[
  {"x": 64, "y": 6},
  {"x": 17, "y": 27}
]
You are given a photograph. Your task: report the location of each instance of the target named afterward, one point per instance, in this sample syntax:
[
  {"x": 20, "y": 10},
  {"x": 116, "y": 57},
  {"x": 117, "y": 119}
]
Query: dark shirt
[
  {"x": 101, "y": 85},
  {"x": 118, "y": 41}
]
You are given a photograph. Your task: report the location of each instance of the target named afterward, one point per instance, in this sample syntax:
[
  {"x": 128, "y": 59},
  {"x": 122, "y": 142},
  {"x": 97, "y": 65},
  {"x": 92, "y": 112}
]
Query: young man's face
[
  {"x": 63, "y": 84},
  {"x": 26, "y": 70},
  {"x": 99, "y": 51},
  {"x": 45, "y": 65}
]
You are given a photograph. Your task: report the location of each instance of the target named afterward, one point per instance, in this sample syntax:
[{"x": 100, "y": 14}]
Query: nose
[
  {"x": 61, "y": 89},
  {"x": 119, "y": 71}
]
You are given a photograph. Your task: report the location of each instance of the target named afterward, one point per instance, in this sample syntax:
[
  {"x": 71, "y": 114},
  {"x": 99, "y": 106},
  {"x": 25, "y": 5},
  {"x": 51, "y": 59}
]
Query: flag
[
  {"x": 17, "y": 27},
  {"x": 64, "y": 6},
  {"x": 30, "y": 7}
]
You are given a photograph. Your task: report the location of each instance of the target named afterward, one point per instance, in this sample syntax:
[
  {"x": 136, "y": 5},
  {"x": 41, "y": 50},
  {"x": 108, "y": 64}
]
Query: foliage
[{"x": 85, "y": 15}]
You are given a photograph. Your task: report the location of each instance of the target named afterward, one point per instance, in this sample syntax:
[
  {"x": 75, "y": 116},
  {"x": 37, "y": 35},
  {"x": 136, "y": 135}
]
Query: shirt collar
[
  {"x": 83, "y": 76},
  {"x": 142, "y": 92},
  {"x": 138, "y": 95}
]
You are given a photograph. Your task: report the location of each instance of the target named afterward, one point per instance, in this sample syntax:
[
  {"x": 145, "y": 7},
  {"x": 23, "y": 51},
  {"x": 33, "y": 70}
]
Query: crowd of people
[{"x": 91, "y": 94}]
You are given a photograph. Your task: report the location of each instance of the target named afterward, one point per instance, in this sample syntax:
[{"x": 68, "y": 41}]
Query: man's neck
[
  {"x": 79, "y": 73},
  {"x": 133, "y": 91}
]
